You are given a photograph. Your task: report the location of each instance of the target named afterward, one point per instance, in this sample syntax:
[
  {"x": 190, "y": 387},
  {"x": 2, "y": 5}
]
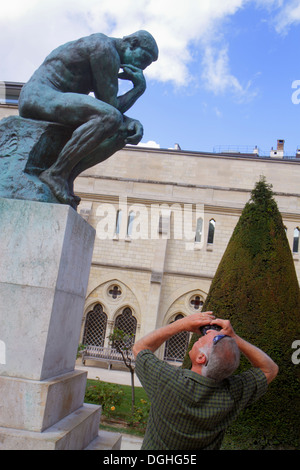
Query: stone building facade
[{"x": 163, "y": 219}]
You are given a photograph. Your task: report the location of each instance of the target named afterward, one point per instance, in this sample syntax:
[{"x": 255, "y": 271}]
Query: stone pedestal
[{"x": 46, "y": 251}]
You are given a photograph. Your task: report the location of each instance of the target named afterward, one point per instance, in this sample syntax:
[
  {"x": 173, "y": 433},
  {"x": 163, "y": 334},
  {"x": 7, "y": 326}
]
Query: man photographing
[{"x": 191, "y": 409}]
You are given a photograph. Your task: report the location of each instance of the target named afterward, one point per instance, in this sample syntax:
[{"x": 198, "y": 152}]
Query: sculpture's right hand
[{"x": 135, "y": 132}]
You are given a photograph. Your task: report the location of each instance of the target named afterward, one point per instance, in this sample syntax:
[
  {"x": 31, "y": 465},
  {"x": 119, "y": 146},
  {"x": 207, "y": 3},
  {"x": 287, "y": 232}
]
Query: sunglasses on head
[{"x": 218, "y": 338}]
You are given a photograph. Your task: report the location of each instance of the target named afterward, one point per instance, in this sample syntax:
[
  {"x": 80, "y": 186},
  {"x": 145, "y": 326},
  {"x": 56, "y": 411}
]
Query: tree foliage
[{"x": 256, "y": 288}]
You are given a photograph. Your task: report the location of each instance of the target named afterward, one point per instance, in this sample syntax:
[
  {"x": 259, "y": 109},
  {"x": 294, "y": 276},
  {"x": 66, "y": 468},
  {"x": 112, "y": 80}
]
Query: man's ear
[{"x": 201, "y": 358}]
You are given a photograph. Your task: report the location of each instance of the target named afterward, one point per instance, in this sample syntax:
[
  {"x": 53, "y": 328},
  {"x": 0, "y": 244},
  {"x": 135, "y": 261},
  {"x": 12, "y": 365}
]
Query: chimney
[
  {"x": 280, "y": 145},
  {"x": 279, "y": 152}
]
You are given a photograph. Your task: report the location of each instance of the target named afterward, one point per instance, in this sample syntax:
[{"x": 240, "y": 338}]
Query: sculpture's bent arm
[{"x": 135, "y": 75}]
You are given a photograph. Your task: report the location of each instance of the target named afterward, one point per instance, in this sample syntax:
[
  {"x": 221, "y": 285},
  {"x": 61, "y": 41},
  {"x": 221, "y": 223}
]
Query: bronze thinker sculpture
[{"x": 96, "y": 127}]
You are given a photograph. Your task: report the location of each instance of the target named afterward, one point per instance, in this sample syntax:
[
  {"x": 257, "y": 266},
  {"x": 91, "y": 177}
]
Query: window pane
[
  {"x": 296, "y": 240},
  {"x": 130, "y": 222},
  {"x": 176, "y": 346},
  {"x": 211, "y": 231},
  {"x": 95, "y": 327},
  {"x": 118, "y": 222},
  {"x": 127, "y": 323},
  {"x": 196, "y": 302},
  {"x": 198, "y": 234}
]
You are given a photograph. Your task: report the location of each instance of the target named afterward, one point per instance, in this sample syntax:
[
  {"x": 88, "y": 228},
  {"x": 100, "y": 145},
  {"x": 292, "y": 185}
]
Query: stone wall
[{"x": 160, "y": 274}]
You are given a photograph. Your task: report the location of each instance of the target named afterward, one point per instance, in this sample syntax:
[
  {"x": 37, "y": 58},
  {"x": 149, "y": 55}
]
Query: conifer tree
[{"x": 256, "y": 288}]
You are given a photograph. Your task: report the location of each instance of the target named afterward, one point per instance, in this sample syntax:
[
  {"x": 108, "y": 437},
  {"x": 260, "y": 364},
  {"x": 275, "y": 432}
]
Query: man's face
[{"x": 205, "y": 340}]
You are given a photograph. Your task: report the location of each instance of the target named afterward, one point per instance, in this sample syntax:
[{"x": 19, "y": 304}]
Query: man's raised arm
[
  {"x": 256, "y": 356},
  {"x": 156, "y": 338}
]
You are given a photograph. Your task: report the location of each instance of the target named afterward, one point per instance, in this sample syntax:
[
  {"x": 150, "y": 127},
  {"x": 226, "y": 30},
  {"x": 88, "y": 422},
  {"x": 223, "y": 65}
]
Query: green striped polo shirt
[{"x": 188, "y": 411}]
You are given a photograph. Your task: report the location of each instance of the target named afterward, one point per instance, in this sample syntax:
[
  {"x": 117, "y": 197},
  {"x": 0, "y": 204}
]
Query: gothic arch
[
  {"x": 122, "y": 278},
  {"x": 112, "y": 305},
  {"x": 184, "y": 292}
]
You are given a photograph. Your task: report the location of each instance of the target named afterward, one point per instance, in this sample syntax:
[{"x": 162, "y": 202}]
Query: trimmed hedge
[{"x": 256, "y": 288}]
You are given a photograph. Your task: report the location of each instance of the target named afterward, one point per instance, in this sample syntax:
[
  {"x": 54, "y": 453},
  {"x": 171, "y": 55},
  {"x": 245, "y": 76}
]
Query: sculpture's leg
[
  {"x": 105, "y": 150},
  {"x": 84, "y": 141}
]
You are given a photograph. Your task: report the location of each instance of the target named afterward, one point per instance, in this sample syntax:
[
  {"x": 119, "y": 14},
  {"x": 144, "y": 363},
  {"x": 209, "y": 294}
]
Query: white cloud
[
  {"x": 289, "y": 15},
  {"x": 218, "y": 112},
  {"x": 150, "y": 143},
  {"x": 216, "y": 74},
  {"x": 30, "y": 29},
  {"x": 217, "y": 77}
]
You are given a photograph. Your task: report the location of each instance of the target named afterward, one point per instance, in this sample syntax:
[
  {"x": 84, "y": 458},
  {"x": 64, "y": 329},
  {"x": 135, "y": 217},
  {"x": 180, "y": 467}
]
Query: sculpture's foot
[
  {"x": 77, "y": 199},
  {"x": 59, "y": 187}
]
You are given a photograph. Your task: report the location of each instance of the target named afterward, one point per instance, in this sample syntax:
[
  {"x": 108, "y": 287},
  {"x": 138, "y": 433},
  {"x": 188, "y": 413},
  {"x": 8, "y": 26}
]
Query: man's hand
[
  {"x": 225, "y": 325},
  {"x": 194, "y": 322}
]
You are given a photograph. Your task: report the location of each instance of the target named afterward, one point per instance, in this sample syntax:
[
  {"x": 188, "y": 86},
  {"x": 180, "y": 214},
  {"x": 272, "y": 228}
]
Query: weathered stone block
[
  {"x": 46, "y": 252},
  {"x": 75, "y": 432},
  {"x": 35, "y": 405},
  {"x": 28, "y": 147}
]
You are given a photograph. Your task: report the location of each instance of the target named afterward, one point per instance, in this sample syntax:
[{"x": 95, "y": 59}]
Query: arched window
[
  {"x": 211, "y": 231},
  {"x": 176, "y": 346},
  {"x": 127, "y": 323},
  {"x": 296, "y": 240},
  {"x": 95, "y": 327}
]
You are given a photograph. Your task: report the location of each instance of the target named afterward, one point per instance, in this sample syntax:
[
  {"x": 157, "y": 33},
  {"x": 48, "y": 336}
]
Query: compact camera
[{"x": 204, "y": 329}]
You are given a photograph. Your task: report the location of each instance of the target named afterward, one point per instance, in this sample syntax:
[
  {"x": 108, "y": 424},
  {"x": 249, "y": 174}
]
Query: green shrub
[
  {"x": 140, "y": 416},
  {"x": 108, "y": 395},
  {"x": 256, "y": 288}
]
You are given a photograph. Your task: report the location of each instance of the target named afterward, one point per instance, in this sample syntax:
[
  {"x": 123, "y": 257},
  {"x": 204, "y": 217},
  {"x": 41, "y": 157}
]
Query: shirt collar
[{"x": 200, "y": 378}]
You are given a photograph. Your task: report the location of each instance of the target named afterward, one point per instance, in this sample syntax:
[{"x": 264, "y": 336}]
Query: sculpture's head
[{"x": 140, "y": 49}]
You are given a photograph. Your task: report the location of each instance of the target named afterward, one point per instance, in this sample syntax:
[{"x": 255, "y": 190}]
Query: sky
[{"x": 227, "y": 77}]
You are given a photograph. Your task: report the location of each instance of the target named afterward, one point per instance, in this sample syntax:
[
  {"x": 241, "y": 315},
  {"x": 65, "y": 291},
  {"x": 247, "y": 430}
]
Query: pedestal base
[
  {"x": 46, "y": 252},
  {"x": 75, "y": 432},
  {"x": 35, "y": 405}
]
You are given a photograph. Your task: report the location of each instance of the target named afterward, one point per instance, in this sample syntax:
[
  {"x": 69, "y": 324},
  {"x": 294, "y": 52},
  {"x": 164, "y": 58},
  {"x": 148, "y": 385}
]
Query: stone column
[{"x": 45, "y": 256}]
